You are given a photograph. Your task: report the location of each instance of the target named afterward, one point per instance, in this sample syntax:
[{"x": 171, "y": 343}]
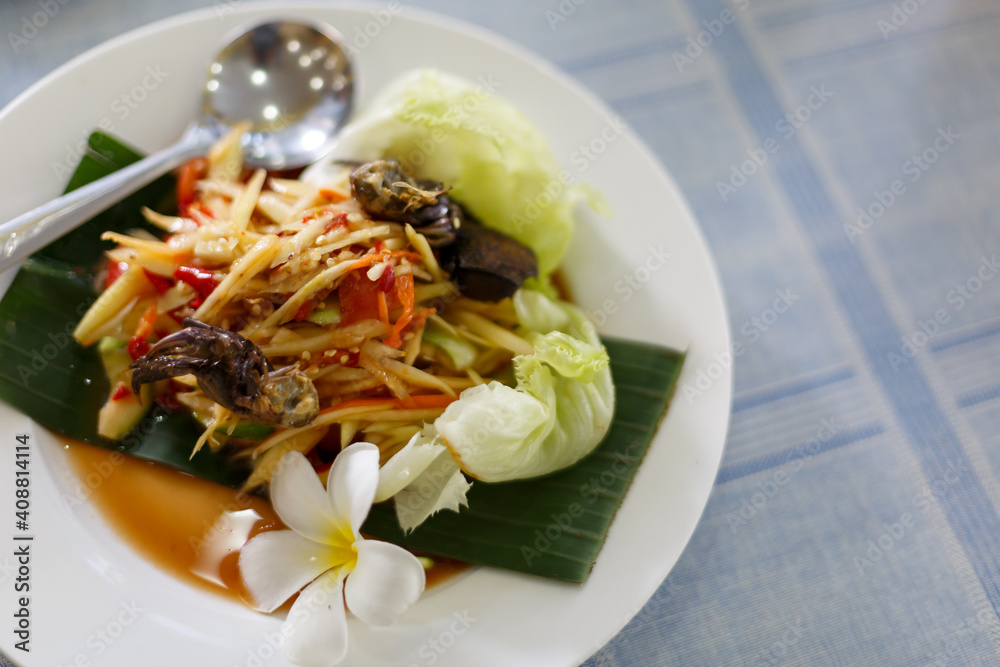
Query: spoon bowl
[{"x": 290, "y": 80}]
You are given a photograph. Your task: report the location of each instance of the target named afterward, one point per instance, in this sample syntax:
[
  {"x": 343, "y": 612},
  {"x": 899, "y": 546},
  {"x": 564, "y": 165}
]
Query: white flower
[
  {"x": 423, "y": 479},
  {"x": 378, "y": 581}
]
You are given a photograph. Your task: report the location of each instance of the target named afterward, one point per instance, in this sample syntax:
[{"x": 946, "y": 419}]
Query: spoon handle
[{"x": 35, "y": 229}]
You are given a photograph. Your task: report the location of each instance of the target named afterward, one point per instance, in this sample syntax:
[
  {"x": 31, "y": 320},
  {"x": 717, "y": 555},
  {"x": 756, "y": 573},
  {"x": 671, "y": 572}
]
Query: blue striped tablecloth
[{"x": 843, "y": 158}]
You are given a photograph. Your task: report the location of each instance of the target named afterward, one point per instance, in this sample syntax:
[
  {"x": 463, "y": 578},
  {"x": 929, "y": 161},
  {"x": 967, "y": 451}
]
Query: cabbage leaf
[
  {"x": 559, "y": 411},
  {"x": 496, "y": 162}
]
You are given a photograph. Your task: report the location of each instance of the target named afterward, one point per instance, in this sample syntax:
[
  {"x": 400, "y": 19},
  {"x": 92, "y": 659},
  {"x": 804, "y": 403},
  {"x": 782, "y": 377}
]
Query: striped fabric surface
[{"x": 843, "y": 159}]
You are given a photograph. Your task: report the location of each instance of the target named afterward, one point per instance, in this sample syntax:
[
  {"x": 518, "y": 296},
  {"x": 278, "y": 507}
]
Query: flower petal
[
  {"x": 352, "y": 483},
  {"x": 441, "y": 486},
  {"x": 385, "y": 582},
  {"x": 276, "y": 564},
  {"x": 408, "y": 463},
  {"x": 299, "y": 499},
  {"x": 316, "y": 628}
]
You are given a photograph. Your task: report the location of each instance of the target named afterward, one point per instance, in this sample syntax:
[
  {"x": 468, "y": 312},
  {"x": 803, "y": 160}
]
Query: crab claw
[{"x": 233, "y": 372}]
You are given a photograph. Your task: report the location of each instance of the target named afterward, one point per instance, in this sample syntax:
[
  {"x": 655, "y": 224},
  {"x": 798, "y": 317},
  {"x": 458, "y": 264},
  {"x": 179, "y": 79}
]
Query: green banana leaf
[
  {"x": 553, "y": 526},
  {"x": 44, "y": 373},
  {"x": 556, "y": 525}
]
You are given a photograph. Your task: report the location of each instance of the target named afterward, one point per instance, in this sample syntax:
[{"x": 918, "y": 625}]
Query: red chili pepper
[
  {"x": 161, "y": 283},
  {"x": 339, "y": 221},
  {"x": 115, "y": 271},
  {"x": 387, "y": 281},
  {"x": 121, "y": 393},
  {"x": 203, "y": 282},
  {"x": 200, "y": 206},
  {"x": 137, "y": 347},
  {"x": 169, "y": 401}
]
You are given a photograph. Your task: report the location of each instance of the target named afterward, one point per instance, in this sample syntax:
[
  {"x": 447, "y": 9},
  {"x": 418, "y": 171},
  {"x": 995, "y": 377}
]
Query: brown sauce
[{"x": 187, "y": 526}]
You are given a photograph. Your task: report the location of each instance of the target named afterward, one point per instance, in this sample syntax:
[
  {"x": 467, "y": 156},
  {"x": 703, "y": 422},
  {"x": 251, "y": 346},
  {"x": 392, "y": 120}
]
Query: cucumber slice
[
  {"x": 246, "y": 430},
  {"x": 325, "y": 316},
  {"x": 121, "y": 415},
  {"x": 115, "y": 357},
  {"x": 460, "y": 353}
]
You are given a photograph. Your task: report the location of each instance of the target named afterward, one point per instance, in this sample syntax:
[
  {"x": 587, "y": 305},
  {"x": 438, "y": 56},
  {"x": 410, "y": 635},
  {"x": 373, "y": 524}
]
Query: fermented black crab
[
  {"x": 485, "y": 264},
  {"x": 386, "y": 192},
  {"x": 233, "y": 372}
]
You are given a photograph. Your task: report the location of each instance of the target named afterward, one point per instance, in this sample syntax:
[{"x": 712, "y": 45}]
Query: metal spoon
[{"x": 291, "y": 80}]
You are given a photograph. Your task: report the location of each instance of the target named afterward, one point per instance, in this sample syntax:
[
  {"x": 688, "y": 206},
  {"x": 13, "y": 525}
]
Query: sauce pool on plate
[{"x": 185, "y": 525}]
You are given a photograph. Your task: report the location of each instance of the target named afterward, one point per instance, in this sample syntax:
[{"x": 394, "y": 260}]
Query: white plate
[{"x": 82, "y": 575}]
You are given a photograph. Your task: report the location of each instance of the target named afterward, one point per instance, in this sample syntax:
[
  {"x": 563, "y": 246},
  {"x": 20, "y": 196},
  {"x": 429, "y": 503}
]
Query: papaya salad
[{"x": 383, "y": 326}]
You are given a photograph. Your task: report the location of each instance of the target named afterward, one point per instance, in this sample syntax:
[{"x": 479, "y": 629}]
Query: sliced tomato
[
  {"x": 358, "y": 298},
  {"x": 161, "y": 283},
  {"x": 387, "y": 282}
]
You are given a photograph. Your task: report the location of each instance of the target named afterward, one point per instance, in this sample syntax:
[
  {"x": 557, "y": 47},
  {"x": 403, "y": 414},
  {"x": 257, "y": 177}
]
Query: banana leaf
[
  {"x": 44, "y": 373},
  {"x": 552, "y": 526},
  {"x": 556, "y": 525}
]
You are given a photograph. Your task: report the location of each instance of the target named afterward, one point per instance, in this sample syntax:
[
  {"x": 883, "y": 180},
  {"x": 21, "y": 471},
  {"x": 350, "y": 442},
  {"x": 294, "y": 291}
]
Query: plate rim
[{"x": 491, "y": 38}]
